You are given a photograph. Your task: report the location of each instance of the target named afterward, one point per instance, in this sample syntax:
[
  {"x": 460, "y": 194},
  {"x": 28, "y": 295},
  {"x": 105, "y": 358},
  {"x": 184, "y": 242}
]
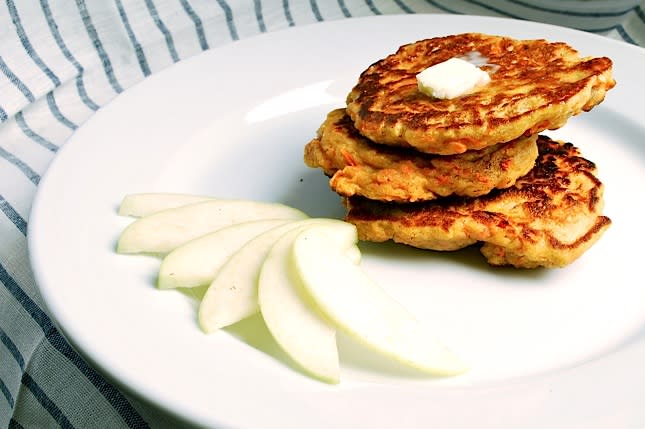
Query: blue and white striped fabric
[{"x": 60, "y": 61}]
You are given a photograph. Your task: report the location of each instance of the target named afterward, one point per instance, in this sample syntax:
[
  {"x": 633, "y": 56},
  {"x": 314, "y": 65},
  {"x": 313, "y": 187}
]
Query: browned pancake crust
[
  {"x": 535, "y": 85},
  {"x": 548, "y": 218},
  {"x": 359, "y": 167}
]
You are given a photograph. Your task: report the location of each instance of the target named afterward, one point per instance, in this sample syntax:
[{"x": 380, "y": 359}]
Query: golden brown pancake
[
  {"x": 535, "y": 85},
  {"x": 359, "y": 167},
  {"x": 548, "y": 218}
]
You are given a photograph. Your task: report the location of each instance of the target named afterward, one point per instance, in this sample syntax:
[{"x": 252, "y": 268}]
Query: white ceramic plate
[{"x": 548, "y": 348}]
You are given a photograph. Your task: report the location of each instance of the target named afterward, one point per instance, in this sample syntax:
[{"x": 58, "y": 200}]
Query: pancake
[
  {"x": 549, "y": 218},
  {"x": 359, "y": 167},
  {"x": 535, "y": 85}
]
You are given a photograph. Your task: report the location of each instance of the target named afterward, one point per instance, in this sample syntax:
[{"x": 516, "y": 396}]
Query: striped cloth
[{"x": 60, "y": 61}]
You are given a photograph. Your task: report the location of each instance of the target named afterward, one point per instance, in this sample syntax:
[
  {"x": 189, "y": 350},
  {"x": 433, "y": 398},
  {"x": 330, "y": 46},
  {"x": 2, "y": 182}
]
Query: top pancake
[{"x": 535, "y": 85}]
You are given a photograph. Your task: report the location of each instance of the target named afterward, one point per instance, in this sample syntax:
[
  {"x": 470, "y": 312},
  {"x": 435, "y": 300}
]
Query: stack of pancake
[{"x": 443, "y": 174}]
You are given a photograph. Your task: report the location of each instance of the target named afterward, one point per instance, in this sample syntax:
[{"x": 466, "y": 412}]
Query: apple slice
[
  {"x": 358, "y": 306},
  {"x": 195, "y": 263},
  {"x": 233, "y": 294},
  {"x": 139, "y": 205},
  {"x": 166, "y": 230},
  {"x": 291, "y": 317}
]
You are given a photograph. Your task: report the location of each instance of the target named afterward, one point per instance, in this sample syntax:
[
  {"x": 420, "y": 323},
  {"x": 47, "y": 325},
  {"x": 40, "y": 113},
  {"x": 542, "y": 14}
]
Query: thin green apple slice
[
  {"x": 292, "y": 318},
  {"x": 233, "y": 293},
  {"x": 196, "y": 263},
  {"x": 359, "y": 307},
  {"x": 166, "y": 230},
  {"x": 144, "y": 204}
]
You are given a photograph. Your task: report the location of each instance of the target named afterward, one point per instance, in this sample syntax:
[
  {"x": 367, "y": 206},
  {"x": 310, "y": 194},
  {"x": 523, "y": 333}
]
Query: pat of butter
[{"x": 451, "y": 79}]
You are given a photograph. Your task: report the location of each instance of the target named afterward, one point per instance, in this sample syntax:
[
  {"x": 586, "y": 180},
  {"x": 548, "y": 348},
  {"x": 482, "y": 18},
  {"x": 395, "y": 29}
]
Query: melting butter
[
  {"x": 451, "y": 79},
  {"x": 477, "y": 59}
]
